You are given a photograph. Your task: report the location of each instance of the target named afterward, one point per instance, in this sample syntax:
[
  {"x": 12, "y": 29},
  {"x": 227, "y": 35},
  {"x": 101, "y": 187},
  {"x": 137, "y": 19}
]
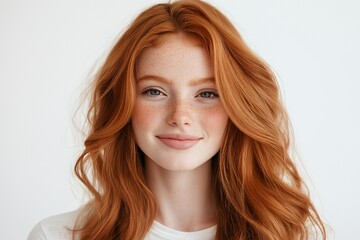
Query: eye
[
  {"x": 152, "y": 92},
  {"x": 208, "y": 94}
]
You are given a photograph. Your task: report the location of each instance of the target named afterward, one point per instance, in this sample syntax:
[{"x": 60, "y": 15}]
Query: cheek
[
  {"x": 145, "y": 116},
  {"x": 215, "y": 119}
]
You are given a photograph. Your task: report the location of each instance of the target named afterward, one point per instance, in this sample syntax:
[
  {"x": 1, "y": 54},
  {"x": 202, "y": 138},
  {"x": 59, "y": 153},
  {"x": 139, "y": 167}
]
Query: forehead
[{"x": 176, "y": 56}]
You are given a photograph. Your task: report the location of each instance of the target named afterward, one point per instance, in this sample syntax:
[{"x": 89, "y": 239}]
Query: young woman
[{"x": 189, "y": 139}]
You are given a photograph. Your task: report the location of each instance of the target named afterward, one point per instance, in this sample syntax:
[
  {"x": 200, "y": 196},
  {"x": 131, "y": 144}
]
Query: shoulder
[{"x": 55, "y": 227}]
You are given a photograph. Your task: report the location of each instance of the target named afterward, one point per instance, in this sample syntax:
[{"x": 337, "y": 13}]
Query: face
[{"x": 178, "y": 119}]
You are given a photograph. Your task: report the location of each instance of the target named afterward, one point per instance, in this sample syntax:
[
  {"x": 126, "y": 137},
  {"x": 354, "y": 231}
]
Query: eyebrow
[{"x": 192, "y": 83}]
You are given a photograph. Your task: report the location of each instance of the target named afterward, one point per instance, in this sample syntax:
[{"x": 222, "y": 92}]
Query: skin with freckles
[
  {"x": 176, "y": 94},
  {"x": 178, "y": 123}
]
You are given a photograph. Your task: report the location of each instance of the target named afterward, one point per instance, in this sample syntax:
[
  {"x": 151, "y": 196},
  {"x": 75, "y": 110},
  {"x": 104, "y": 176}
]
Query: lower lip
[{"x": 179, "y": 144}]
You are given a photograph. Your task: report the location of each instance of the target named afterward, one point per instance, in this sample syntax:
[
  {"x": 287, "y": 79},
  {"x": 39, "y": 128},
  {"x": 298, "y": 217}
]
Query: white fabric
[
  {"x": 161, "y": 232},
  {"x": 57, "y": 228}
]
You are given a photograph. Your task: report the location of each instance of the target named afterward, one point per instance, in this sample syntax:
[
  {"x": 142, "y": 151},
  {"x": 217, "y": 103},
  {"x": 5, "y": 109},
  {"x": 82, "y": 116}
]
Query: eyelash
[
  {"x": 148, "y": 91},
  {"x": 214, "y": 94}
]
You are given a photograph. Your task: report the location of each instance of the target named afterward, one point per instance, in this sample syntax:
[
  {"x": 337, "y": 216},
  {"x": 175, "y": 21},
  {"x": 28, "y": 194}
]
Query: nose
[{"x": 179, "y": 113}]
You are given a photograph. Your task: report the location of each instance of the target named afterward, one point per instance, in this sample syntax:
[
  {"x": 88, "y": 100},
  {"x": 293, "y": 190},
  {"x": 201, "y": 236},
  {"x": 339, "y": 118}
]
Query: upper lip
[{"x": 178, "y": 136}]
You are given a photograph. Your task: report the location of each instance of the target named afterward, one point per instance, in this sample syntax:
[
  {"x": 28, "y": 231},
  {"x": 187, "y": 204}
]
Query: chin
[{"x": 179, "y": 164}]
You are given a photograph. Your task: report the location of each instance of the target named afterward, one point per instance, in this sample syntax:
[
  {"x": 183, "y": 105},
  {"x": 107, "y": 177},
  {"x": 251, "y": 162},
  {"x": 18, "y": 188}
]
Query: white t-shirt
[{"x": 57, "y": 228}]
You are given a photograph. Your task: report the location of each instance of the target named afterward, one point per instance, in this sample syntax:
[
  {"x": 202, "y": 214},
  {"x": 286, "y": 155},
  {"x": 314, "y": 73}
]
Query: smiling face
[{"x": 178, "y": 119}]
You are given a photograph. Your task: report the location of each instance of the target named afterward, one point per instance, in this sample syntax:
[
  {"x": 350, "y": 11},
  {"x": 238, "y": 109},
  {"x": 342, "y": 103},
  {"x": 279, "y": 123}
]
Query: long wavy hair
[{"x": 259, "y": 192}]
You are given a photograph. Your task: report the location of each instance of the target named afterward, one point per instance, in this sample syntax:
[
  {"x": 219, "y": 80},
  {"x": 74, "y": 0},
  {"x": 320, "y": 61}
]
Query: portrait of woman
[
  {"x": 189, "y": 139},
  {"x": 202, "y": 119}
]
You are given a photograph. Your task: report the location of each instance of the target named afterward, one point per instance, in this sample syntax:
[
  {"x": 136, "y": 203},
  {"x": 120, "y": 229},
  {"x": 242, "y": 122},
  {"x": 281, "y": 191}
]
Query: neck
[{"x": 185, "y": 199}]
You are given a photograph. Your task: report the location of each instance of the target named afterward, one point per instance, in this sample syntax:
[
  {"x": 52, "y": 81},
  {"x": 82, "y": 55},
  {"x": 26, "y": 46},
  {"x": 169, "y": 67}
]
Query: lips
[{"x": 178, "y": 141}]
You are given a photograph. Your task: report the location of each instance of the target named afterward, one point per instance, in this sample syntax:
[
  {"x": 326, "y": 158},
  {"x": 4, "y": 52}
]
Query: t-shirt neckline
[{"x": 207, "y": 233}]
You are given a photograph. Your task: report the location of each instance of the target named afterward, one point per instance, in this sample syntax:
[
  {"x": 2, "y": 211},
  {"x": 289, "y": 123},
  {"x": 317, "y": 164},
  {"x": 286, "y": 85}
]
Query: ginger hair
[{"x": 259, "y": 192}]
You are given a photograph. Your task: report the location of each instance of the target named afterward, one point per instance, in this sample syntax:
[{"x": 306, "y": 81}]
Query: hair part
[{"x": 259, "y": 192}]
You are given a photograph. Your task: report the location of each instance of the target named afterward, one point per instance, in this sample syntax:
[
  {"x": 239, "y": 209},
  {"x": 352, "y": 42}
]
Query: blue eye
[
  {"x": 152, "y": 92},
  {"x": 208, "y": 95}
]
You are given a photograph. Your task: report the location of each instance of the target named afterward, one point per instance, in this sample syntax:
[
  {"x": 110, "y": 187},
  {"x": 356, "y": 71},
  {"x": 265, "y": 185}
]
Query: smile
[{"x": 180, "y": 142}]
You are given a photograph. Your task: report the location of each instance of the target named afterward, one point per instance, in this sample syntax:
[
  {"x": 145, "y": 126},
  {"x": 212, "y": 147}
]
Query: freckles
[
  {"x": 145, "y": 115},
  {"x": 215, "y": 118}
]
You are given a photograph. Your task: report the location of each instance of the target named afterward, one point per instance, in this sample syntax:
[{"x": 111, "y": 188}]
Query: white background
[{"x": 48, "y": 49}]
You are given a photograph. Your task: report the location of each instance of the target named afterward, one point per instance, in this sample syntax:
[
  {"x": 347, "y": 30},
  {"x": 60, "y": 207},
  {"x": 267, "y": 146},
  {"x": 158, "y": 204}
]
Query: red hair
[{"x": 259, "y": 192}]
